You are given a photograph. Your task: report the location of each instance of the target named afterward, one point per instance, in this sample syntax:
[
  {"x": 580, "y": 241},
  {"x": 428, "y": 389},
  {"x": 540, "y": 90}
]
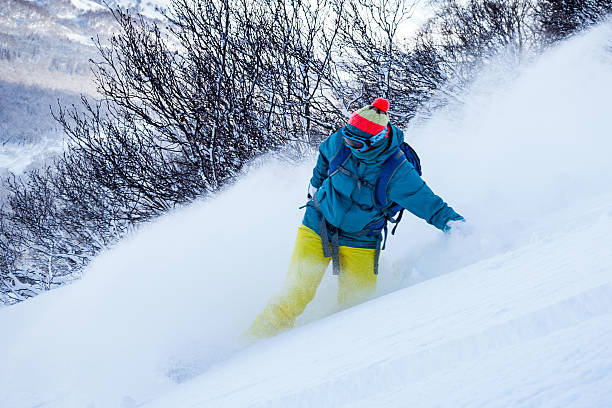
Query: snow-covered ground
[
  {"x": 148, "y": 8},
  {"x": 515, "y": 313},
  {"x": 527, "y": 328},
  {"x": 45, "y": 49},
  {"x": 17, "y": 158}
]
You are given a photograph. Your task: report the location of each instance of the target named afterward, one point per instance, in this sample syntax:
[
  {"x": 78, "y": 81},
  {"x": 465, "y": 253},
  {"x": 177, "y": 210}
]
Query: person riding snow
[{"x": 342, "y": 222}]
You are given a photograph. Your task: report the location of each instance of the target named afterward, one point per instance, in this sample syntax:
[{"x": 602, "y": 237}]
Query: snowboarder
[{"x": 343, "y": 222}]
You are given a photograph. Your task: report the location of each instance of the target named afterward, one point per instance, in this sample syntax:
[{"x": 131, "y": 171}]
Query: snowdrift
[{"x": 523, "y": 320}]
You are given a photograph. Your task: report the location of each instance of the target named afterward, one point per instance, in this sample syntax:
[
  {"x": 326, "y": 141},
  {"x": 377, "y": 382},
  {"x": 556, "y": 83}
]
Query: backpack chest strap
[{"x": 359, "y": 180}]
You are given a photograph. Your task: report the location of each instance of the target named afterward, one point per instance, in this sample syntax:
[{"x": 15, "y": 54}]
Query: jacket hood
[{"x": 386, "y": 147}]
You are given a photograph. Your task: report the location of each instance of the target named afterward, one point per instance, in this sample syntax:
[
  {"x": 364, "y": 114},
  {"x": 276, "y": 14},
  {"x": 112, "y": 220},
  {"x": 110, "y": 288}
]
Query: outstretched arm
[{"x": 411, "y": 192}]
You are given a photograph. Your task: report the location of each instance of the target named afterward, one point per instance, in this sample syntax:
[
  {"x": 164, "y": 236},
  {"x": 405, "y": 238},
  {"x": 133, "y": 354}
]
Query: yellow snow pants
[{"x": 356, "y": 283}]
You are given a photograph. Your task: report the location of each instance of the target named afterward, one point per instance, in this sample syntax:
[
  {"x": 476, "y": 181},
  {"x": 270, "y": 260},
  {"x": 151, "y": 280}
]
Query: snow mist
[{"x": 168, "y": 302}]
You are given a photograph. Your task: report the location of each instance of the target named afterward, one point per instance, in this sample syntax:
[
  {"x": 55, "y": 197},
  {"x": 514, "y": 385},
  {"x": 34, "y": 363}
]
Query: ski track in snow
[{"x": 517, "y": 313}]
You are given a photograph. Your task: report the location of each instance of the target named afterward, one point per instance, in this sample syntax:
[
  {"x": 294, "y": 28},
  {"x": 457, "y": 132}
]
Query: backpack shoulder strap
[
  {"x": 389, "y": 168},
  {"x": 412, "y": 157},
  {"x": 338, "y": 160}
]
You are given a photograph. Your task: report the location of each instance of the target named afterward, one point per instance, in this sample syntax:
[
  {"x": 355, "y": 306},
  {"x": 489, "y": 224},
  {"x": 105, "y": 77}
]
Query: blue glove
[{"x": 458, "y": 225}]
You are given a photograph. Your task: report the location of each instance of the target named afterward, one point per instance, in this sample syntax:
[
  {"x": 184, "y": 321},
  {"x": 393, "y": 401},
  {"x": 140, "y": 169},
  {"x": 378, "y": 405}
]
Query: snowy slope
[
  {"x": 70, "y": 9},
  {"x": 532, "y": 327},
  {"x": 45, "y": 48},
  {"x": 16, "y": 159},
  {"x": 148, "y": 8},
  {"x": 516, "y": 313}
]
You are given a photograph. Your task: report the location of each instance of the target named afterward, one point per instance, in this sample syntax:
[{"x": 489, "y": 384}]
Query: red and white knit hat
[{"x": 367, "y": 121}]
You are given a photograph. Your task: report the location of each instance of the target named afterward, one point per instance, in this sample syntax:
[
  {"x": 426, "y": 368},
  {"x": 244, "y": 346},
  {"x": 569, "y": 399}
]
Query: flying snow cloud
[
  {"x": 172, "y": 299},
  {"x": 524, "y": 145}
]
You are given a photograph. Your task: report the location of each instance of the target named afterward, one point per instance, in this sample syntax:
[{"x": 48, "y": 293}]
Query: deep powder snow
[{"x": 525, "y": 159}]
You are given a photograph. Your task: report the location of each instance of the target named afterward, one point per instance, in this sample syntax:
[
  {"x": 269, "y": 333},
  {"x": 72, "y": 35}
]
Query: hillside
[
  {"x": 516, "y": 312},
  {"x": 45, "y": 52},
  {"x": 527, "y": 328}
]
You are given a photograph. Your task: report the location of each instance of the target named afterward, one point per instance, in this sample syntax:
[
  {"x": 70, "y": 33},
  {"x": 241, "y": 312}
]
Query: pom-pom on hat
[
  {"x": 368, "y": 121},
  {"x": 382, "y": 104}
]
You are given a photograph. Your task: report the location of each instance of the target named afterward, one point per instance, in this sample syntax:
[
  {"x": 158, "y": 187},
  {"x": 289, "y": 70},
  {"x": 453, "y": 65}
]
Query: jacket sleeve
[
  {"x": 410, "y": 191},
  {"x": 319, "y": 173}
]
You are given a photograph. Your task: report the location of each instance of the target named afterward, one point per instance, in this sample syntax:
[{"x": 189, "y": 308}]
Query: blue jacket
[{"x": 349, "y": 205}]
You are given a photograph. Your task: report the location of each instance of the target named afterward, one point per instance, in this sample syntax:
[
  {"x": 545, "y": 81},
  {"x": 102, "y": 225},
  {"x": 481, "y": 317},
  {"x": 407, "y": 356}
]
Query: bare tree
[
  {"x": 371, "y": 44},
  {"x": 184, "y": 108},
  {"x": 461, "y": 38},
  {"x": 560, "y": 18}
]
